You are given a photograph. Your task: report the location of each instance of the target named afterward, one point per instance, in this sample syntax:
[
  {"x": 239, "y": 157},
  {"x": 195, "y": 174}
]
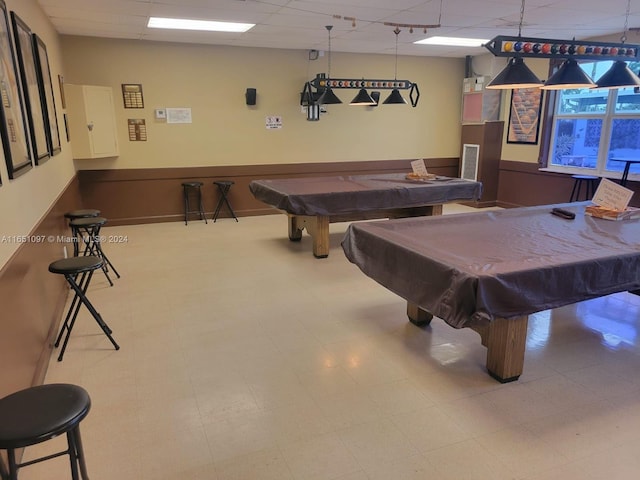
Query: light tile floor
[{"x": 244, "y": 357}]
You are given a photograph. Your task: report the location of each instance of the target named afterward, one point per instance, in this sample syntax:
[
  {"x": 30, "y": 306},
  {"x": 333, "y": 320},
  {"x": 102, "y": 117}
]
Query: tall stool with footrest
[
  {"x": 78, "y": 272},
  {"x": 223, "y": 187},
  {"x": 88, "y": 230},
  {"x": 188, "y": 190},
  {"x": 37, "y": 414},
  {"x": 590, "y": 182}
]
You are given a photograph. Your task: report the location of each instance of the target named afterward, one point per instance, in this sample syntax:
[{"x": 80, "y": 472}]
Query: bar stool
[
  {"x": 37, "y": 414},
  {"x": 72, "y": 215},
  {"x": 88, "y": 230},
  {"x": 78, "y": 272},
  {"x": 193, "y": 187},
  {"x": 591, "y": 183},
  {"x": 223, "y": 186}
]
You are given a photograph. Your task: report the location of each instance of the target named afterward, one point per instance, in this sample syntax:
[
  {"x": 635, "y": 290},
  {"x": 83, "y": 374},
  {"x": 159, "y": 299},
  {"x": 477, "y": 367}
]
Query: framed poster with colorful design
[{"x": 524, "y": 115}]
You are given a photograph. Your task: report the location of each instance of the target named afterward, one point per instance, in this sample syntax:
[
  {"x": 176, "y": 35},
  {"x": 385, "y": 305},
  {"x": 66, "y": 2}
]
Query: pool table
[
  {"x": 312, "y": 203},
  {"x": 489, "y": 270}
]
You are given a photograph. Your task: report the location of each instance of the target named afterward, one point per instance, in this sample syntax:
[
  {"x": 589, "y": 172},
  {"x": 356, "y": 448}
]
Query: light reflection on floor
[{"x": 614, "y": 318}]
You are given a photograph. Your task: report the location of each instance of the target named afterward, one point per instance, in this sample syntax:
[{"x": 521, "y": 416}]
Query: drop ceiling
[{"x": 300, "y": 24}]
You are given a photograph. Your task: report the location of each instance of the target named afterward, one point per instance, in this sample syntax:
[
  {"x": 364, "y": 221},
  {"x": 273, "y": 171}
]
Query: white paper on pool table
[
  {"x": 419, "y": 168},
  {"x": 611, "y": 195}
]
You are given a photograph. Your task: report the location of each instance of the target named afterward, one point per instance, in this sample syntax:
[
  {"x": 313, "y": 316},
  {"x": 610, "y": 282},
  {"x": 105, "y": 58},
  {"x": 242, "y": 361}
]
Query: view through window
[{"x": 593, "y": 129}]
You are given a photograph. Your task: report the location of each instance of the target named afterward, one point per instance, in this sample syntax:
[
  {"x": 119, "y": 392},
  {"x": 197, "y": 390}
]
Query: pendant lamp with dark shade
[
  {"x": 394, "y": 97},
  {"x": 363, "y": 98},
  {"x": 328, "y": 97},
  {"x": 515, "y": 75},
  {"x": 569, "y": 75},
  {"x": 618, "y": 76}
]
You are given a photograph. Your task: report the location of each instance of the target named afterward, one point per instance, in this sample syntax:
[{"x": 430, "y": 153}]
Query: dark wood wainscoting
[
  {"x": 136, "y": 196},
  {"x": 522, "y": 184},
  {"x": 33, "y": 299}
]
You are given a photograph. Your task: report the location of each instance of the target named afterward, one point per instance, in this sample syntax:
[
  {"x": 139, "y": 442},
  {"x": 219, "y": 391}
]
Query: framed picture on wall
[
  {"x": 13, "y": 124},
  {"x": 30, "y": 89},
  {"x": 46, "y": 95},
  {"x": 524, "y": 115}
]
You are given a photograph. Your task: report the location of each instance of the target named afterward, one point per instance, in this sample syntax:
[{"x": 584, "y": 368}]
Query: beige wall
[
  {"x": 25, "y": 200},
  {"x": 211, "y": 80}
]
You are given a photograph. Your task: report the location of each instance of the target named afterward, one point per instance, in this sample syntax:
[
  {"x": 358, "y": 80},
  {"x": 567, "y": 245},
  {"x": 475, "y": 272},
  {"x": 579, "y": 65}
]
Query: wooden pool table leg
[
  {"x": 319, "y": 231},
  {"x": 417, "y": 315},
  {"x": 317, "y": 227},
  {"x": 505, "y": 340},
  {"x": 295, "y": 227}
]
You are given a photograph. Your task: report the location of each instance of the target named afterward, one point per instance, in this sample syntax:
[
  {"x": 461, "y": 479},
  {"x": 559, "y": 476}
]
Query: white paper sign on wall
[{"x": 273, "y": 122}]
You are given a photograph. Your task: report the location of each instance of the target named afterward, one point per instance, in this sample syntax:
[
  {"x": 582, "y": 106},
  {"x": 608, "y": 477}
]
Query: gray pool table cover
[
  {"x": 471, "y": 268},
  {"x": 350, "y": 194}
]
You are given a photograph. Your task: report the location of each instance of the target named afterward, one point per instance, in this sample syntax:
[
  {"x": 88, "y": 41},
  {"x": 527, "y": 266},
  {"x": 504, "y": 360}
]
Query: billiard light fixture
[
  {"x": 517, "y": 75},
  {"x": 319, "y": 91}
]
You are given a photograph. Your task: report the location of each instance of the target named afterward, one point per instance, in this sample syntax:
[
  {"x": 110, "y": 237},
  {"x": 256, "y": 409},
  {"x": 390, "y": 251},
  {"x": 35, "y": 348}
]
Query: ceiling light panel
[
  {"x": 200, "y": 25},
  {"x": 453, "y": 41}
]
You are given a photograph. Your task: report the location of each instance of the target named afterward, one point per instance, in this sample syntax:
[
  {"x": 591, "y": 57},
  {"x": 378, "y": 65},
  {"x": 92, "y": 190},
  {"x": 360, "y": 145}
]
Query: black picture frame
[
  {"x": 13, "y": 124},
  {"x": 47, "y": 99},
  {"x": 30, "y": 89},
  {"x": 524, "y": 115}
]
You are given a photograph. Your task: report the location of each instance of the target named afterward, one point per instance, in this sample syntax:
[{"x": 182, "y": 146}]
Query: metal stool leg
[
  {"x": 4, "y": 475},
  {"x": 186, "y": 203},
  {"x": 202, "y": 215},
  {"x": 72, "y": 314},
  {"x": 97, "y": 250},
  {"x": 79, "y": 452},
  {"x": 72, "y": 456},
  {"x": 573, "y": 191},
  {"x": 193, "y": 188},
  {"x": 13, "y": 465},
  {"x": 93, "y": 246},
  {"x": 224, "y": 190},
  {"x": 81, "y": 294}
]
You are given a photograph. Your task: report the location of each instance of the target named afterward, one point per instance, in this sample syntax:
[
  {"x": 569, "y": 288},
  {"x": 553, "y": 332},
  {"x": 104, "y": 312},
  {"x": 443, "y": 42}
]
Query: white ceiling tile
[{"x": 300, "y": 24}]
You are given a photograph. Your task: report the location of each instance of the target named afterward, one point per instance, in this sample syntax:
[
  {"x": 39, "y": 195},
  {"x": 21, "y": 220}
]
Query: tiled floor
[{"x": 244, "y": 357}]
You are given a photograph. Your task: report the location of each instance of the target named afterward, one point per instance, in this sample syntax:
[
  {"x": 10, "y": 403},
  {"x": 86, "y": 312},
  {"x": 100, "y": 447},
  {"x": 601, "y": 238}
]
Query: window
[{"x": 592, "y": 127}]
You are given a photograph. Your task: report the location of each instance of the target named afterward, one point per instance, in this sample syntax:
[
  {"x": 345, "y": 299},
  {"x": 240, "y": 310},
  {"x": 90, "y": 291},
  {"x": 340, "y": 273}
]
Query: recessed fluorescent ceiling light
[
  {"x": 453, "y": 41},
  {"x": 208, "y": 25}
]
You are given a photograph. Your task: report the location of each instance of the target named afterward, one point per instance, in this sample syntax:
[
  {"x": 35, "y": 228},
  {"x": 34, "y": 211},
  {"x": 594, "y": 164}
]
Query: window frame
[{"x": 550, "y": 115}]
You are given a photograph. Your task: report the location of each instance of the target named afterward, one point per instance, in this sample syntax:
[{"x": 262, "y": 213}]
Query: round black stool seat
[
  {"x": 40, "y": 413},
  {"x": 85, "y": 222},
  {"x": 224, "y": 182},
  {"x": 87, "y": 212},
  {"x": 73, "y": 265}
]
